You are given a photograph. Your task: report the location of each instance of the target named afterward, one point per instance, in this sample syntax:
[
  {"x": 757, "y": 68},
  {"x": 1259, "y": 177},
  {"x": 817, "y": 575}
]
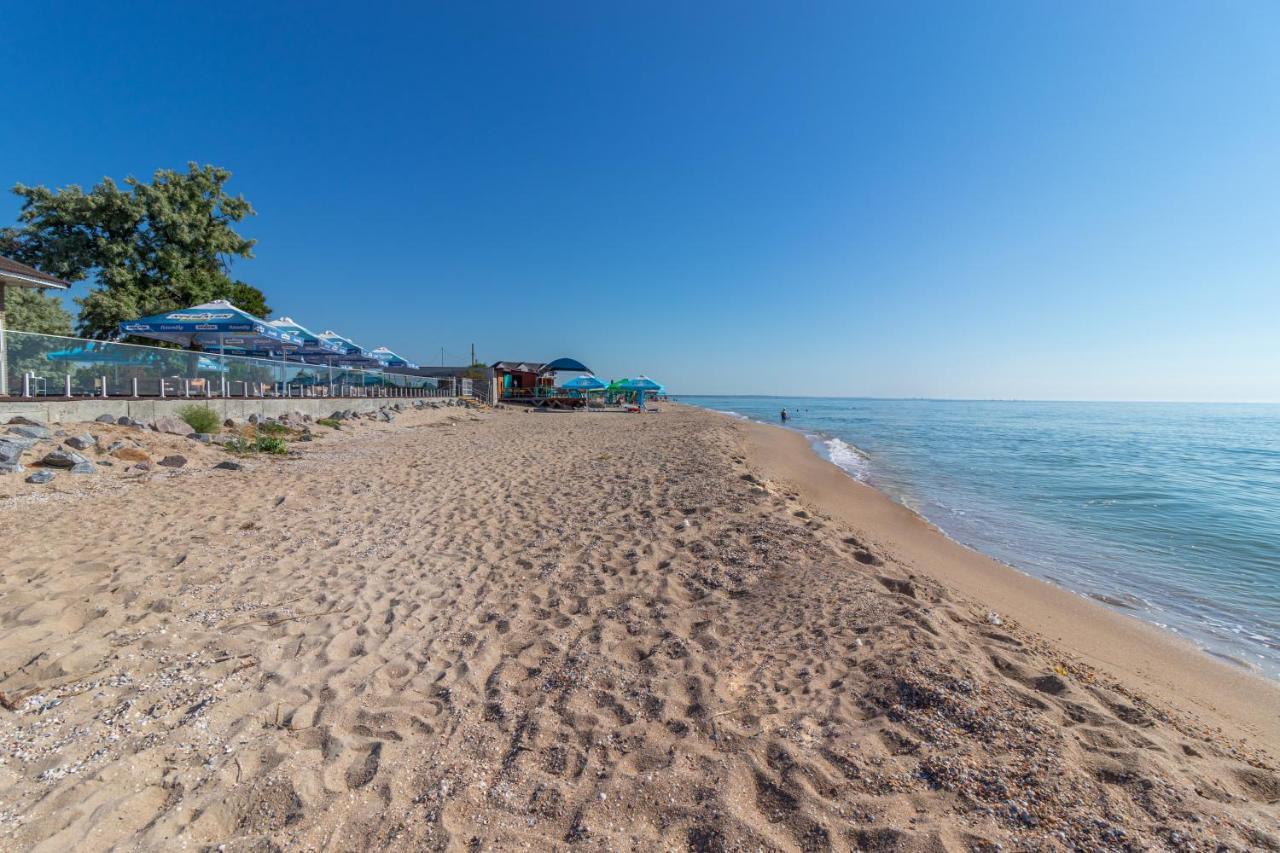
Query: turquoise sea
[{"x": 1166, "y": 511}]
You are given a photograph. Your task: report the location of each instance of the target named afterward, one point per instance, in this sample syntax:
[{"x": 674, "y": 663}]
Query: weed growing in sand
[
  {"x": 271, "y": 444},
  {"x": 200, "y": 418},
  {"x": 272, "y": 428},
  {"x": 329, "y": 422}
]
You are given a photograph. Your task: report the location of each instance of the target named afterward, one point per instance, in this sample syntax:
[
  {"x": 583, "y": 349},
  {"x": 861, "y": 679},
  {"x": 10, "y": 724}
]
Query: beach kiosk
[{"x": 14, "y": 274}]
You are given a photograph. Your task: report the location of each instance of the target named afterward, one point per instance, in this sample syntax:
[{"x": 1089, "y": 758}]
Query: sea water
[{"x": 1166, "y": 511}]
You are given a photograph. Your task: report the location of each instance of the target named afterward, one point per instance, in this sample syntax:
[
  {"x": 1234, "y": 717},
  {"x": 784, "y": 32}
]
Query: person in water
[{"x": 784, "y": 416}]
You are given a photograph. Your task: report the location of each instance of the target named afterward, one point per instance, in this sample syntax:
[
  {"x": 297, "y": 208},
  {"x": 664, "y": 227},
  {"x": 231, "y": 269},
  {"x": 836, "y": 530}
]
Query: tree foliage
[
  {"x": 151, "y": 247},
  {"x": 30, "y": 310}
]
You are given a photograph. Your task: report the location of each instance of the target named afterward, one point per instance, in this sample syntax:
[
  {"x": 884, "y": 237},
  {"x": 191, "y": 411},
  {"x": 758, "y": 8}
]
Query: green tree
[
  {"x": 151, "y": 247},
  {"x": 30, "y": 310}
]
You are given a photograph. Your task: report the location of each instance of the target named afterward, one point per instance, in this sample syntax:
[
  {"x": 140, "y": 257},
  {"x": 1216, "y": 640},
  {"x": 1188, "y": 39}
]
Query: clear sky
[{"x": 1012, "y": 199}]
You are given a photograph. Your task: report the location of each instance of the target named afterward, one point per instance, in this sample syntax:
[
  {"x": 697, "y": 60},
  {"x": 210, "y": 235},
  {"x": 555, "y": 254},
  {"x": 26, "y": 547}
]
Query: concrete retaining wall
[{"x": 71, "y": 411}]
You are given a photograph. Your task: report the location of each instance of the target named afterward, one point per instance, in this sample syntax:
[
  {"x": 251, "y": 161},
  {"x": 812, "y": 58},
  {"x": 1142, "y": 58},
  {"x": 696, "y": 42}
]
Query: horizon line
[{"x": 986, "y": 399}]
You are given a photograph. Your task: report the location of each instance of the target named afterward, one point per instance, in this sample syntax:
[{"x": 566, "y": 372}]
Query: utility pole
[
  {"x": 473, "y": 354},
  {"x": 442, "y": 356}
]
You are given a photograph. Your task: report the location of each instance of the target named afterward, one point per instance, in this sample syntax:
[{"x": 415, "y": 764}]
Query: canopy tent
[
  {"x": 313, "y": 346},
  {"x": 565, "y": 365},
  {"x": 214, "y": 325},
  {"x": 14, "y": 274},
  {"x": 100, "y": 352},
  {"x": 390, "y": 359}
]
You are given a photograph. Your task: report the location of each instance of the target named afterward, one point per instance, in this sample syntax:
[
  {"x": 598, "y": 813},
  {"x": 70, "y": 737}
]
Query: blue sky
[{"x": 1034, "y": 200}]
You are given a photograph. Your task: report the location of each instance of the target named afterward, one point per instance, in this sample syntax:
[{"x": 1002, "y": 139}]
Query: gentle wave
[
  {"x": 843, "y": 454},
  {"x": 1169, "y": 512}
]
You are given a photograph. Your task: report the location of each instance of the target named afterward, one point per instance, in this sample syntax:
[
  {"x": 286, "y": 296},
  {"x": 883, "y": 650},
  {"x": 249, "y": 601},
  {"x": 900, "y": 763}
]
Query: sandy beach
[{"x": 495, "y": 630}]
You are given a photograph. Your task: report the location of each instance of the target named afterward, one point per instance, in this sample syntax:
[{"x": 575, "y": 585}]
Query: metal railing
[{"x": 35, "y": 365}]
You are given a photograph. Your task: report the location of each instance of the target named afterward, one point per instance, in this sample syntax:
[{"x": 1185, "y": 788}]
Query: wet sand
[{"x": 580, "y": 631}]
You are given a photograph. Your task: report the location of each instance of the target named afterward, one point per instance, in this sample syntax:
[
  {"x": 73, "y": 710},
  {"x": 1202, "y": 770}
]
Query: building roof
[
  {"x": 12, "y": 272},
  {"x": 518, "y": 366}
]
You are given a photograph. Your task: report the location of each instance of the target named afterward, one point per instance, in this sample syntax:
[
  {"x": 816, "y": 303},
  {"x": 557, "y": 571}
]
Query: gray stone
[
  {"x": 231, "y": 423},
  {"x": 115, "y": 445},
  {"x": 125, "y": 420},
  {"x": 253, "y": 419},
  {"x": 63, "y": 459},
  {"x": 85, "y": 467},
  {"x": 142, "y": 466},
  {"x": 202, "y": 437},
  {"x": 11, "y": 450},
  {"x": 81, "y": 442},
  {"x": 31, "y": 431},
  {"x": 171, "y": 426},
  {"x": 11, "y": 468},
  {"x": 23, "y": 420},
  {"x": 228, "y": 465},
  {"x": 223, "y": 439},
  {"x": 173, "y": 461},
  {"x": 105, "y": 419},
  {"x": 41, "y": 477}
]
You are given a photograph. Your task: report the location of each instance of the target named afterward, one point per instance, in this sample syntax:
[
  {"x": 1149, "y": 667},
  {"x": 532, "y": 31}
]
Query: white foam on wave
[{"x": 848, "y": 457}]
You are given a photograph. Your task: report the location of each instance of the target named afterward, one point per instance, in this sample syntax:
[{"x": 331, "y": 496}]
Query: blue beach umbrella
[
  {"x": 390, "y": 359},
  {"x": 585, "y": 383},
  {"x": 314, "y": 347},
  {"x": 640, "y": 385},
  {"x": 353, "y": 355},
  {"x": 217, "y": 324}
]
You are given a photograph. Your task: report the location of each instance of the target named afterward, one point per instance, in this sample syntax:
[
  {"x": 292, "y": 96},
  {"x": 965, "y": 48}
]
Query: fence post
[
  {"x": 26, "y": 383},
  {"x": 67, "y": 385},
  {"x": 135, "y": 386},
  {"x": 208, "y": 390},
  {"x": 104, "y": 386},
  {"x": 161, "y": 387},
  {"x": 186, "y": 387}
]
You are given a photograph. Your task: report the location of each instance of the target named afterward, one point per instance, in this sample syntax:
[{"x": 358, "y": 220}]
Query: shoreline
[{"x": 1163, "y": 664}]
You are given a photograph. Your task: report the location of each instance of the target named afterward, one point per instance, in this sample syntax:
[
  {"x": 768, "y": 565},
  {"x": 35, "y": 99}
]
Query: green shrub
[
  {"x": 260, "y": 444},
  {"x": 271, "y": 444},
  {"x": 272, "y": 428},
  {"x": 239, "y": 446},
  {"x": 329, "y": 422},
  {"x": 200, "y": 418}
]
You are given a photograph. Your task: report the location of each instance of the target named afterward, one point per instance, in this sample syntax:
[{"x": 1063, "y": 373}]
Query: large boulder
[
  {"x": 31, "y": 431},
  {"x": 12, "y": 448},
  {"x": 11, "y": 468},
  {"x": 81, "y": 442},
  {"x": 23, "y": 420},
  {"x": 63, "y": 459},
  {"x": 171, "y": 426}
]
